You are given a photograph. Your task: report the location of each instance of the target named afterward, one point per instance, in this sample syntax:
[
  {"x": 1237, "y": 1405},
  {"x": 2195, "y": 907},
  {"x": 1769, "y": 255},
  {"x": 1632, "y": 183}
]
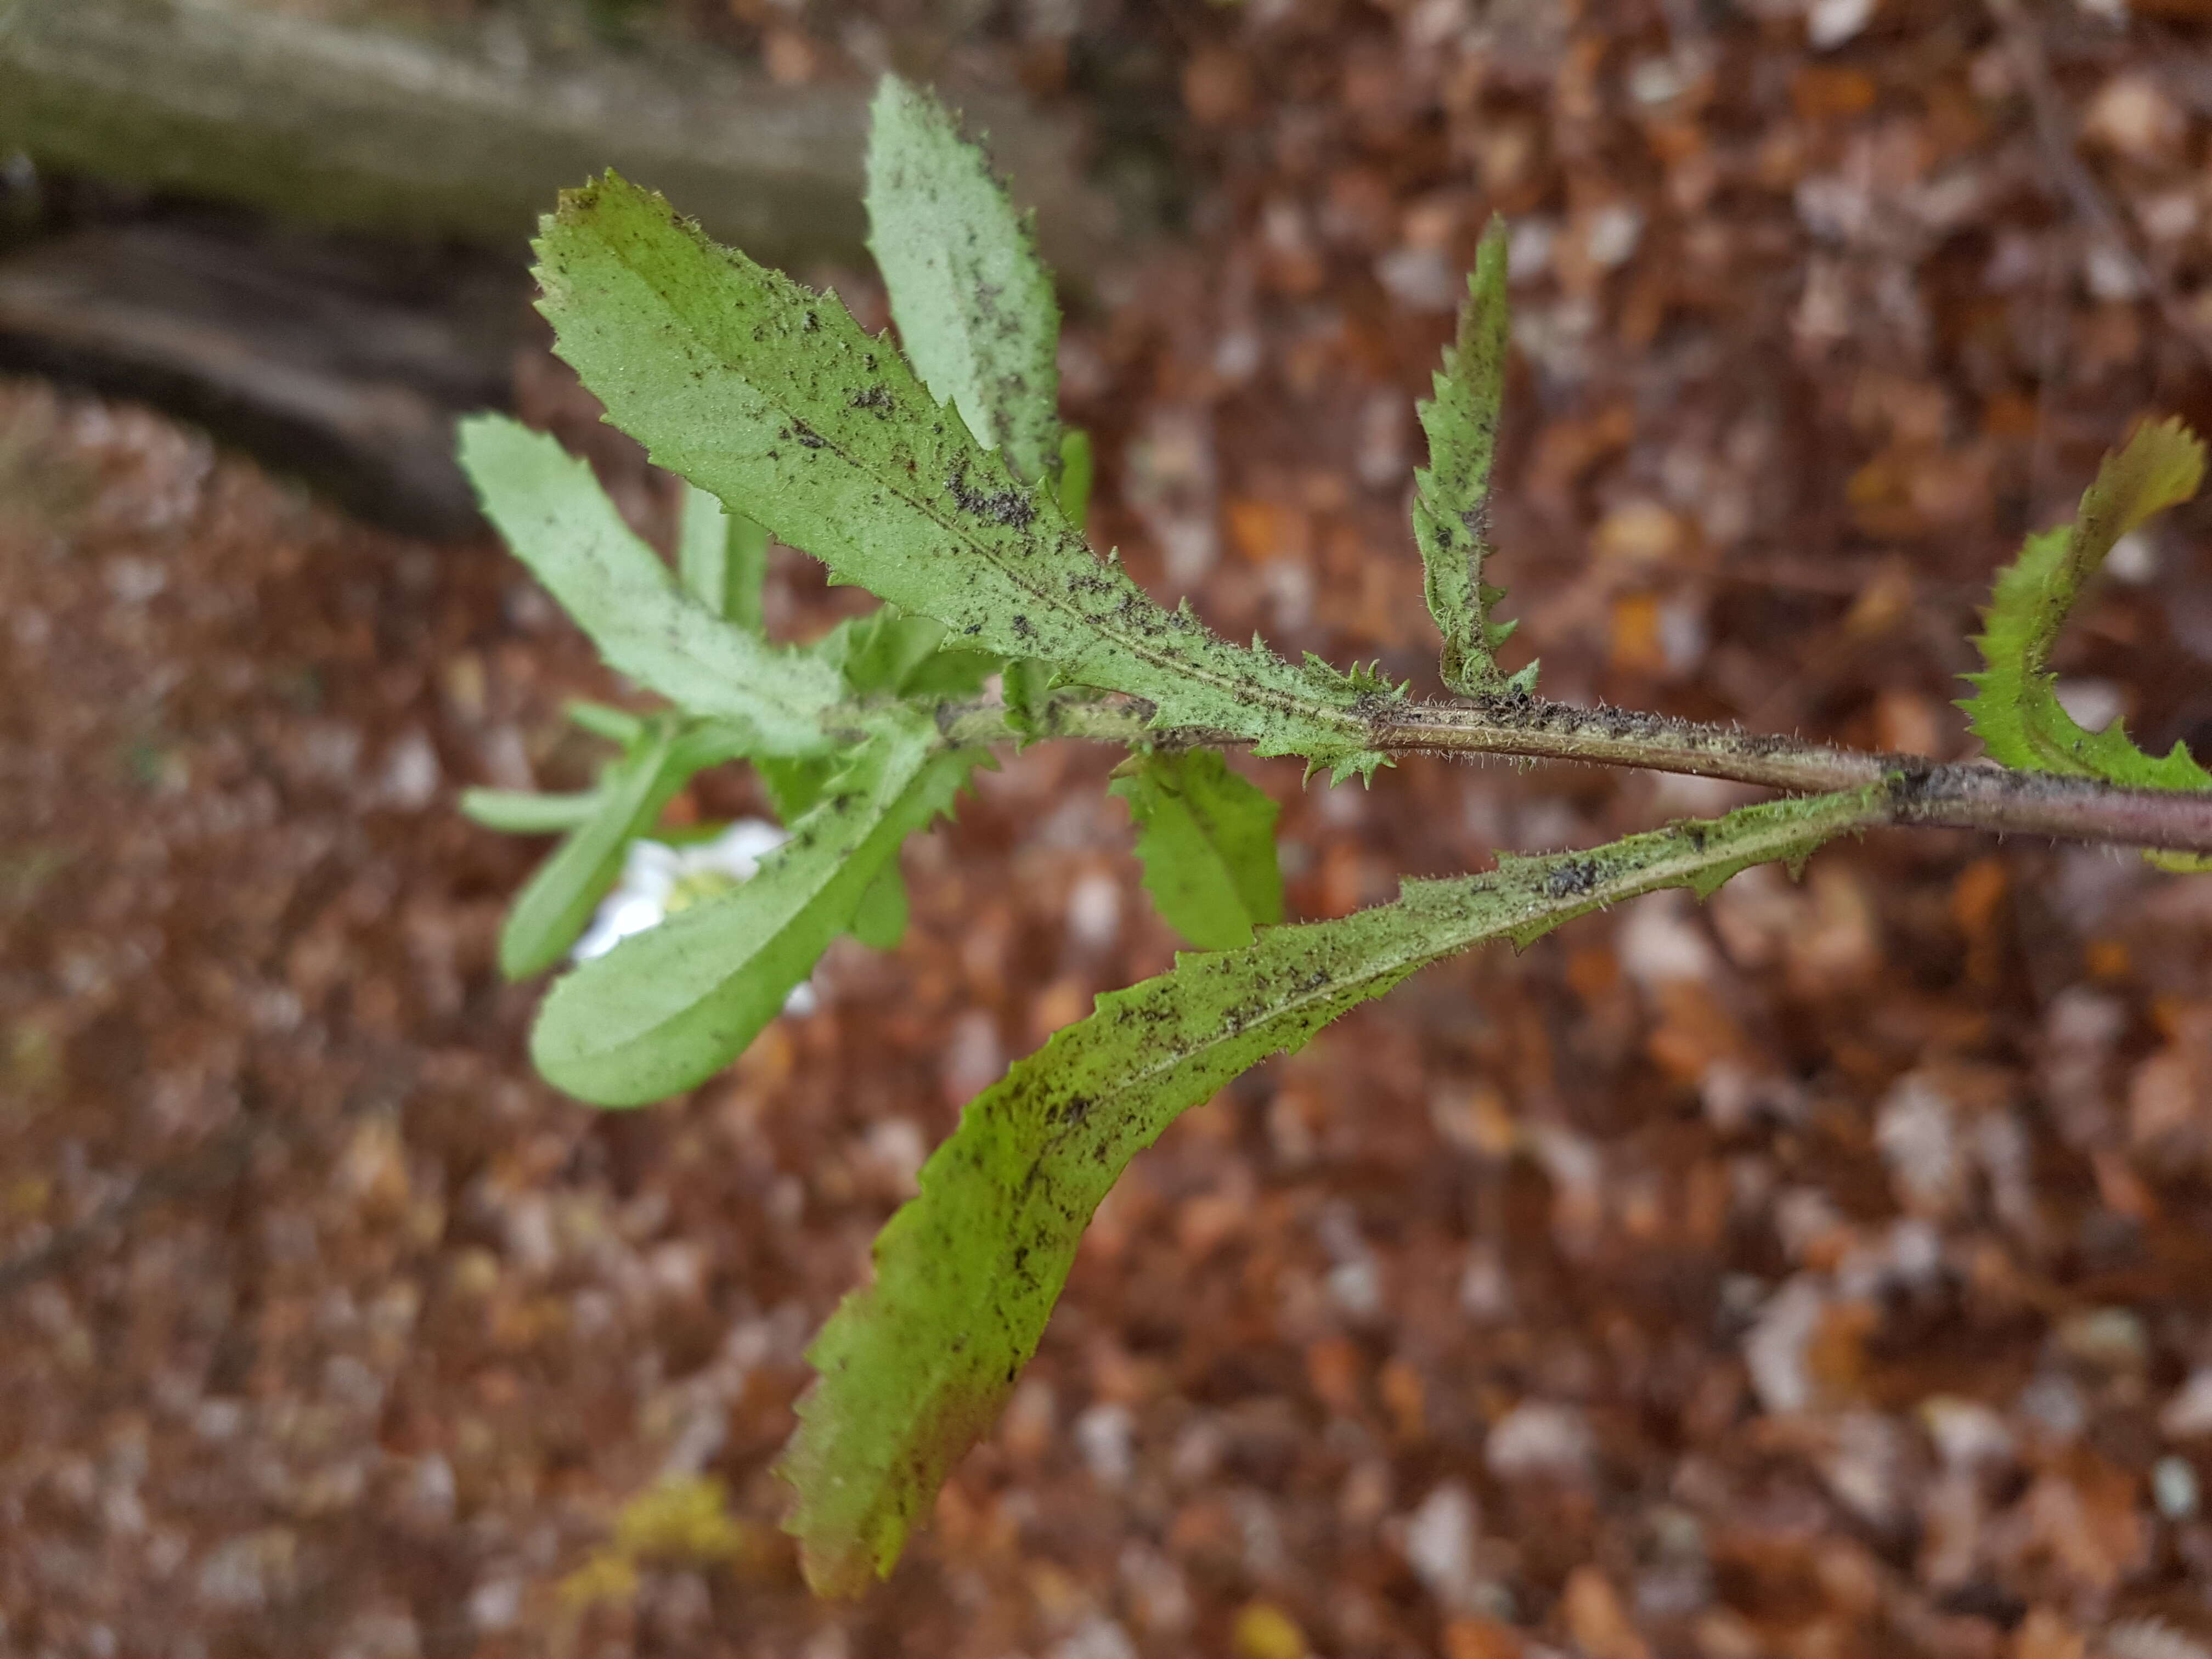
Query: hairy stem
[
  {"x": 1922, "y": 790},
  {"x": 1537, "y": 728}
]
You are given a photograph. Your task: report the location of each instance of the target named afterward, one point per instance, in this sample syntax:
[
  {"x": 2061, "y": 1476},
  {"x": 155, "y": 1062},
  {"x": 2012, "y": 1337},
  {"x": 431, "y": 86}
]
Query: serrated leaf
[
  {"x": 722, "y": 559},
  {"x": 551, "y": 912},
  {"x": 1451, "y": 495},
  {"x": 972, "y": 299},
  {"x": 912, "y": 1369},
  {"x": 2015, "y": 707},
  {"x": 1207, "y": 838},
  {"x": 525, "y": 813},
  {"x": 560, "y": 523},
  {"x": 1360, "y": 680},
  {"x": 668, "y": 1007},
  {"x": 761, "y": 392}
]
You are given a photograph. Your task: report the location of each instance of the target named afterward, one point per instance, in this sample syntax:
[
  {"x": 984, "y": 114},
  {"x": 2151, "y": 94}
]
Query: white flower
[{"x": 658, "y": 880}]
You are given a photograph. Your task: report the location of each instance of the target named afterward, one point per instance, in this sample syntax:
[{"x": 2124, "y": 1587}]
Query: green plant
[{"x": 937, "y": 477}]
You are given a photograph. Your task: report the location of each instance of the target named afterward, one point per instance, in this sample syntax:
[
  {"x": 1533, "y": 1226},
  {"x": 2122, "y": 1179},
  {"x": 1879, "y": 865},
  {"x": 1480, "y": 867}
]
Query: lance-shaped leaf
[
  {"x": 525, "y": 813},
  {"x": 668, "y": 1007},
  {"x": 1208, "y": 841},
  {"x": 1451, "y": 495},
  {"x": 661, "y": 756},
  {"x": 722, "y": 557},
  {"x": 604, "y": 720},
  {"x": 914, "y": 1368},
  {"x": 560, "y": 523},
  {"x": 794, "y": 786},
  {"x": 972, "y": 300},
  {"x": 2014, "y": 708},
  {"x": 762, "y": 391},
  {"x": 549, "y": 913}
]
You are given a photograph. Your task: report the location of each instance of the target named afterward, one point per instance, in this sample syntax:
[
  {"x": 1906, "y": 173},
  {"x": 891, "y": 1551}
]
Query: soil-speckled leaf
[
  {"x": 1207, "y": 839},
  {"x": 2014, "y": 708},
  {"x": 1451, "y": 495},
  {"x": 560, "y": 523},
  {"x": 972, "y": 300},
  {"x": 914, "y": 1368},
  {"x": 762, "y": 391},
  {"x": 549, "y": 913},
  {"x": 668, "y": 1007}
]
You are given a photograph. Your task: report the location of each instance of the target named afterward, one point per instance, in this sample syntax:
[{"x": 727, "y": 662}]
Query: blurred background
[{"x": 1824, "y": 1273}]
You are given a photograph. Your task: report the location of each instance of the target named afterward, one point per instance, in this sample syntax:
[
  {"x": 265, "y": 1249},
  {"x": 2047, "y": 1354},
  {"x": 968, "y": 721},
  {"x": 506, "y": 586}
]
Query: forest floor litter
[{"x": 1825, "y": 1272}]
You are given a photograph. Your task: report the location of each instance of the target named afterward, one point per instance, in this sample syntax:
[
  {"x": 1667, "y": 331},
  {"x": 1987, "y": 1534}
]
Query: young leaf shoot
[
  {"x": 1451, "y": 496},
  {"x": 2014, "y": 708}
]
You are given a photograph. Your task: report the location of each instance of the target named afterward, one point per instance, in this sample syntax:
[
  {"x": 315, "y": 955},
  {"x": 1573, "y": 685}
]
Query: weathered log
[
  {"x": 307, "y": 354},
  {"x": 470, "y": 136},
  {"x": 319, "y": 353}
]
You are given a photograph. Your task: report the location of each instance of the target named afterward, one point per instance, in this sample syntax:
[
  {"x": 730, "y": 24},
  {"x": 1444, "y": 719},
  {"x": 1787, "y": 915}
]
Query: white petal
[
  {"x": 651, "y": 872},
  {"x": 738, "y": 851},
  {"x": 619, "y": 915},
  {"x": 599, "y": 939},
  {"x": 650, "y": 868}
]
